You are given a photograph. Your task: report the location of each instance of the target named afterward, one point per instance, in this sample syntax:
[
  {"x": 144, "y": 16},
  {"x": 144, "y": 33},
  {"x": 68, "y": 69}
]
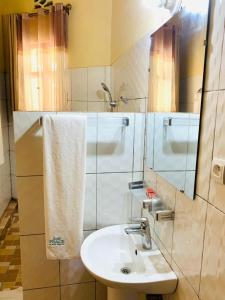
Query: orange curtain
[
  {"x": 42, "y": 60},
  {"x": 9, "y": 23},
  {"x": 164, "y": 70}
]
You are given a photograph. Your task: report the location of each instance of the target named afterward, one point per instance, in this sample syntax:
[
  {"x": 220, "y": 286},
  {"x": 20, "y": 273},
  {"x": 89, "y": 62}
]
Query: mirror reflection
[{"x": 177, "y": 57}]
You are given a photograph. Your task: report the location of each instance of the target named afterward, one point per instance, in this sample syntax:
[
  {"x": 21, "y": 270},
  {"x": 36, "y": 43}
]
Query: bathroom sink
[{"x": 119, "y": 261}]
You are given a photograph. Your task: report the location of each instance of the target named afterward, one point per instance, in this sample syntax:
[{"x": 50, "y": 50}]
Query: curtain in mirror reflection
[
  {"x": 164, "y": 70},
  {"x": 37, "y": 63},
  {"x": 1, "y": 142}
]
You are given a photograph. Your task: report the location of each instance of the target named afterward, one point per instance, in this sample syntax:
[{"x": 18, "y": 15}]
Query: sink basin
[{"x": 119, "y": 261}]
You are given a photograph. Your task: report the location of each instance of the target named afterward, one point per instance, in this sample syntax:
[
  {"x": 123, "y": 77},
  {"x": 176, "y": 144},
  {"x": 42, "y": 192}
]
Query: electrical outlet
[{"x": 218, "y": 170}]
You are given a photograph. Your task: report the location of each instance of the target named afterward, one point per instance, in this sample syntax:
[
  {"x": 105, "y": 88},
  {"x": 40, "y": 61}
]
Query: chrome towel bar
[
  {"x": 125, "y": 121},
  {"x": 170, "y": 121}
]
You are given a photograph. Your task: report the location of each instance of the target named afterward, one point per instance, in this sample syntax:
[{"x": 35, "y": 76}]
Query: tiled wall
[
  {"x": 85, "y": 92},
  {"x": 5, "y": 178},
  {"x": 114, "y": 158},
  {"x": 128, "y": 77},
  {"x": 194, "y": 243}
]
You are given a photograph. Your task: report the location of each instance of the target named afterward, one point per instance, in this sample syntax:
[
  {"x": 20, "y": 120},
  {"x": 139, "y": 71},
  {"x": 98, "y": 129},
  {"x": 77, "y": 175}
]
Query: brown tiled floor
[{"x": 10, "y": 269}]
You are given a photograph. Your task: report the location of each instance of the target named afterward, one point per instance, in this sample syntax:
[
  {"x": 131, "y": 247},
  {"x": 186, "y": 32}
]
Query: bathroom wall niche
[{"x": 176, "y": 83}]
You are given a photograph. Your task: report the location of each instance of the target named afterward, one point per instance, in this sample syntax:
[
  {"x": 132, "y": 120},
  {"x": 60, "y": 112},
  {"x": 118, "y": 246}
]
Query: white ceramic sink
[{"x": 106, "y": 251}]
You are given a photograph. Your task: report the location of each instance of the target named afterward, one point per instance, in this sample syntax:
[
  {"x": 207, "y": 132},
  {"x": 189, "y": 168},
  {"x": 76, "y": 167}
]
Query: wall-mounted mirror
[{"x": 177, "y": 60}]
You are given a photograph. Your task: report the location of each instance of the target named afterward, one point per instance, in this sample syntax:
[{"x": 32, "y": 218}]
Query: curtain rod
[{"x": 67, "y": 9}]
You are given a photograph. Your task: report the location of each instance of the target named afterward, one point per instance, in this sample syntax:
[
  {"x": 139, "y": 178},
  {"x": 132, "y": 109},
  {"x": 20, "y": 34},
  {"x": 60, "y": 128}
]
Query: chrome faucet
[{"x": 142, "y": 229}]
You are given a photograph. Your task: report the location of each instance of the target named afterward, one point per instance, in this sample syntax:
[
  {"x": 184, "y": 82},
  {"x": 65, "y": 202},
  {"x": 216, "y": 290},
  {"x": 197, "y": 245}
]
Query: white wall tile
[
  {"x": 91, "y": 143},
  {"x": 96, "y": 76},
  {"x": 114, "y": 201},
  {"x": 100, "y": 106},
  {"x": 115, "y": 143},
  {"x": 139, "y": 142},
  {"x": 137, "y": 196},
  {"x": 79, "y": 84},
  {"x": 190, "y": 183},
  {"x": 130, "y": 71},
  {"x": 150, "y": 132},
  {"x": 170, "y": 143},
  {"x": 90, "y": 202},
  {"x": 108, "y": 78},
  {"x": 79, "y": 106}
]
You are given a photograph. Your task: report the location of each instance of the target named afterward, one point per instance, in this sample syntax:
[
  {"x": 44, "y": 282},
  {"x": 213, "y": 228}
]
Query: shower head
[
  {"x": 105, "y": 88},
  {"x": 112, "y": 103}
]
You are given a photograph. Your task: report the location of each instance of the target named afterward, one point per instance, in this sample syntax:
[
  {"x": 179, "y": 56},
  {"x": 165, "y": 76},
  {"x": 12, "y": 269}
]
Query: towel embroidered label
[{"x": 56, "y": 241}]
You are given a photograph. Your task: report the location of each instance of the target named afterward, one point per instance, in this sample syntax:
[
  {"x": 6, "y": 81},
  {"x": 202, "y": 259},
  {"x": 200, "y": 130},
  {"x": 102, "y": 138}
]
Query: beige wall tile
[
  {"x": 101, "y": 291},
  {"x": 222, "y": 70},
  {"x": 82, "y": 291},
  {"x": 189, "y": 225},
  {"x": 215, "y": 44},
  {"x": 184, "y": 290},
  {"x": 217, "y": 190},
  {"x": 213, "y": 267},
  {"x": 150, "y": 178},
  {"x": 206, "y": 143},
  {"x": 42, "y": 294},
  {"x": 73, "y": 271},
  {"x": 166, "y": 192},
  {"x": 164, "y": 229},
  {"x": 162, "y": 248},
  {"x": 31, "y": 205},
  {"x": 37, "y": 271},
  {"x": 28, "y": 143}
]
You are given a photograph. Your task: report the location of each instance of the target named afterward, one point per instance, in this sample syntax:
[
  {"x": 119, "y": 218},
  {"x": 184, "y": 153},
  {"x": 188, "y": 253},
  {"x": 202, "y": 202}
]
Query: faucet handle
[
  {"x": 164, "y": 215},
  {"x": 140, "y": 220},
  {"x": 147, "y": 204}
]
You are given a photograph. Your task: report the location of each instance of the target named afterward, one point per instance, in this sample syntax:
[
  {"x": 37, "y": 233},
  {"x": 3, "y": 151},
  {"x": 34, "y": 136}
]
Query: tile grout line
[
  {"x": 203, "y": 247},
  {"x": 214, "y": 139}
]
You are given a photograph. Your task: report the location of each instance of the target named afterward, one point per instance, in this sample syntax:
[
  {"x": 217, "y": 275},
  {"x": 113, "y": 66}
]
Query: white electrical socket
[{"x": 218, "y": 170}]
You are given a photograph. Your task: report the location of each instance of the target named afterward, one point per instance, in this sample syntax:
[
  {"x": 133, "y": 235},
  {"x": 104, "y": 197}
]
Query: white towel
[{"x": 64, "y": 147}]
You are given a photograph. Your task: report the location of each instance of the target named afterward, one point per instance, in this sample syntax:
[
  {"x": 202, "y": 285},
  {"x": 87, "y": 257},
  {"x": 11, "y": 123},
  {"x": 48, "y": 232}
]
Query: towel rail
[
  {"x": 125, "y": 121},
  {"x": 184, "y": 121}
]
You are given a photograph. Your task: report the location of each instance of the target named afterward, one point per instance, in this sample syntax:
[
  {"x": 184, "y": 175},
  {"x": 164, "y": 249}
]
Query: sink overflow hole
[
  {"x": 136, "y": 252},
  {"x": 125, "y": 271}
]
